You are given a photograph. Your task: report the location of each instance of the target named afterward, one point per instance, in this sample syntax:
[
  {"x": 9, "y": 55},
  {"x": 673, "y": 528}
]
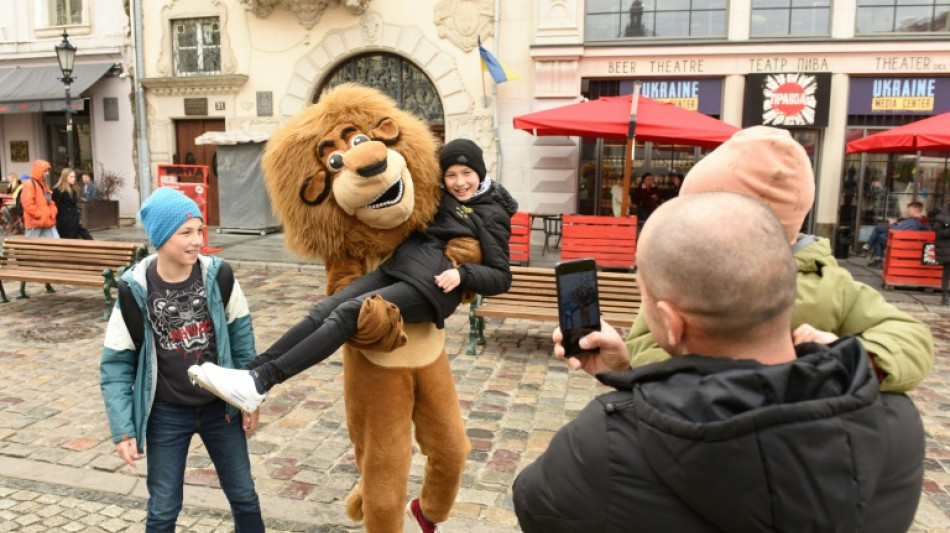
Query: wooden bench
[
  {"x": 519, "y": 245},
  {"x": 67, "y": 262},
  {"x": 611, "y": 241},
  {"x": 902, "y": 260},
  {"x": 533, "y": 295}
]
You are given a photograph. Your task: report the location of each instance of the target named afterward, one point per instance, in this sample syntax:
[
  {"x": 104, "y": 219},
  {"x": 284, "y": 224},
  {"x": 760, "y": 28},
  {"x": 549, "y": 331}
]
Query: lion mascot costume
[{"x": 350, "y": 178}]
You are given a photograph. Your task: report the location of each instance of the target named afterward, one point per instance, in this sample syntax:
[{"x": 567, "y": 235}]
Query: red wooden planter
[
  {"x": 611, "y": 241},
  {"x": 902, "y": 266}
]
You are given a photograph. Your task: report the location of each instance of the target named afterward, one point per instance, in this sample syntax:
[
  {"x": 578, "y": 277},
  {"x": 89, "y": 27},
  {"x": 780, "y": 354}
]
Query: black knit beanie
[{"x": 462, "y": 152}]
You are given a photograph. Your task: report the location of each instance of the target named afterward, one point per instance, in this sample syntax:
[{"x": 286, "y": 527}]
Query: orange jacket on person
[{"x": 39, "y": 210}]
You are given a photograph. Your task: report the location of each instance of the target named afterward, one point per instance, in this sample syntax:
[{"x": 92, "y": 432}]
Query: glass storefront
[
  {"x": 601, "y": 161},
  {"x": 602, "y": 169},
  {"x": 876, "y": 187}
]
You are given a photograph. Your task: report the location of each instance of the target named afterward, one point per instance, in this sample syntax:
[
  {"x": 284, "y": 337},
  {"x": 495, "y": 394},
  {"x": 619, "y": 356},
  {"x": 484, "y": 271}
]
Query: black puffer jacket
[
  {"x": 700, "y": 444},
  {"x": 422, "y": 256},
  {"x": 941, "y": 226},
  {"x": 67, "y": 214}
]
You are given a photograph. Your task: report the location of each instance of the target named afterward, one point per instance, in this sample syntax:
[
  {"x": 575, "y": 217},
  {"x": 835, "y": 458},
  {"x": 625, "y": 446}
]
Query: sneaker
[
  {"x": 865, "y": 247},
  {"x": 415, "y": 515},
  {"x": 233, "y": 386}
]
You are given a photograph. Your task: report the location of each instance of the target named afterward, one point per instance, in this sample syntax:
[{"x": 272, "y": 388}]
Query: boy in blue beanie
[{"x": 149, "y": 398}]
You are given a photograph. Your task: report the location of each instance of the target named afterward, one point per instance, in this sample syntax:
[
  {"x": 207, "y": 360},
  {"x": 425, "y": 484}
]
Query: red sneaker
[{"x": 415, "y": 514}]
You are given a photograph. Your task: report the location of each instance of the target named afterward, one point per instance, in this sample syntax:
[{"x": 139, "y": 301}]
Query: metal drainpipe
[
  {"x": 144, "y": 159},
  {"x": 494, "y": 119}
]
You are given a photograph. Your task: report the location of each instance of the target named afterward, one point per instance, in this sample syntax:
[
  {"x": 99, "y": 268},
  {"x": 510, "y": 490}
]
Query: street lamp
[{"x": 66, "y": 55}]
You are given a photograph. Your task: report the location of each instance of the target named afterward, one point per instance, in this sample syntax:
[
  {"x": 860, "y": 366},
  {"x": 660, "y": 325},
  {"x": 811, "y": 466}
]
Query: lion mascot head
[{"x": 352, "y": 175}]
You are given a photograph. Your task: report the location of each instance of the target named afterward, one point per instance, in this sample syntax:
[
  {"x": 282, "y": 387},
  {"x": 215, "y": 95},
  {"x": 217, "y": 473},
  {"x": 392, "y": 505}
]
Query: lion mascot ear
[{"x": 387, "y": 132}]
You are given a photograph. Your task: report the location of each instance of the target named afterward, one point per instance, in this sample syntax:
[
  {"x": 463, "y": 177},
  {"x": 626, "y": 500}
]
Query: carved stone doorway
[{"x": 397, "y": 77}]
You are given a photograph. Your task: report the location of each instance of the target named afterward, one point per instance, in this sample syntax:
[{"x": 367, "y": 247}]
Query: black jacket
[
  {"x": 67, "y": 215},
  {"x": 700, "y": 444},
  {"x": 941, "y": 226},
  {"x": 422, "y": 256}
]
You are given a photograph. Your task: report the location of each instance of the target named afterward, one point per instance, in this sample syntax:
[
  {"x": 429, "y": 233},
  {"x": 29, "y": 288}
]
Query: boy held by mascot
[{"x": 424, "y": 279}]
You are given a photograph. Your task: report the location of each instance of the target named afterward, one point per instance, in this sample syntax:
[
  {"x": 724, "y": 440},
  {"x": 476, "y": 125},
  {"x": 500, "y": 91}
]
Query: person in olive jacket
[
  {"x": 419, "y": 279},
  {"x": 768, "y": 164},
  {"x": 740, "y": 430}
]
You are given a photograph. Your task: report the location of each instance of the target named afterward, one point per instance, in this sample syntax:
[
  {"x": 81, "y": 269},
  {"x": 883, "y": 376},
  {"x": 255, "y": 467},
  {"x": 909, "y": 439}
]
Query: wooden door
[{"x": 188, "y": 153}]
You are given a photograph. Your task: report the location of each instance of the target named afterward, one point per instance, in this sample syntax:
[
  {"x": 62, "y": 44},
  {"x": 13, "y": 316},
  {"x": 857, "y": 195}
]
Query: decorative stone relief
[
  {"x": 308, "y": 12},
  {"x": 195, "y": 85},
  {"x": 439, "y": 67},
  {"x": 372, "y": 25},
  {"x": 560, "y": 21},
  {"x": 357, "y": 7},
  {"x": 478, "y": 129},
  {"x": 178, "y": 9},
  {"x": 461, "y": 22}
]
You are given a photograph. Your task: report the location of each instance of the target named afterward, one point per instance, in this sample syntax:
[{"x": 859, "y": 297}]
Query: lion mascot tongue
[{"x": 350, "y": 178}]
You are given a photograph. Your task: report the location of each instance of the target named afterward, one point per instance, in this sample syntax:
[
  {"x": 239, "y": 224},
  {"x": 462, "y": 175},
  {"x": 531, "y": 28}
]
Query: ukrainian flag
[{"x": 498, "y": 72}]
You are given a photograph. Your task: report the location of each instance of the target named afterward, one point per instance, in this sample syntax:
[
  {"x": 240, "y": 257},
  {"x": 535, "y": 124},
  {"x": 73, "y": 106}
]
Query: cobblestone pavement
[{"x": 59, "y": 470}]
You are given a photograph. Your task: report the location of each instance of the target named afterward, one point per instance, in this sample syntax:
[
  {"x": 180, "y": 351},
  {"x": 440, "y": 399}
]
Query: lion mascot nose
[{"x": 367, "y": 159}]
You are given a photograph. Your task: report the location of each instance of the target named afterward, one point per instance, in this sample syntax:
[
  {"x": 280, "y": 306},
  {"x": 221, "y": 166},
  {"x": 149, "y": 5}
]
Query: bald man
[{"x": 740, "y": 430}]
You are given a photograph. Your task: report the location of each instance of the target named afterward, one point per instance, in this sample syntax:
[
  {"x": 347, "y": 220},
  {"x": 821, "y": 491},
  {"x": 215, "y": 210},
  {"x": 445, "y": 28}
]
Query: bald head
[{"x": 723, "y": 259}]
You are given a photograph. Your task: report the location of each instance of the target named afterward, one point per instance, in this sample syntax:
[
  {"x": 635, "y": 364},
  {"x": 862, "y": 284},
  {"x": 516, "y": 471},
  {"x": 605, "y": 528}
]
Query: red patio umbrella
[
  {"x": 610, "y": 117},
  {"x": 928, "y": 134},
  {"x": 613, "y": 117}
]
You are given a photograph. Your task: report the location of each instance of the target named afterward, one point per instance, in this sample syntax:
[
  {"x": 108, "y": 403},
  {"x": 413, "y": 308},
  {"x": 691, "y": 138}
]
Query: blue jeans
[
  {"x": 170, "y": 428},
  {"x": 878, "y": 240}
]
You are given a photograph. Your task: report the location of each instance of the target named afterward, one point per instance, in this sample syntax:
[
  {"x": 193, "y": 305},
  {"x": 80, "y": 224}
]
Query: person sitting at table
[{"x": 916, "y": 221}]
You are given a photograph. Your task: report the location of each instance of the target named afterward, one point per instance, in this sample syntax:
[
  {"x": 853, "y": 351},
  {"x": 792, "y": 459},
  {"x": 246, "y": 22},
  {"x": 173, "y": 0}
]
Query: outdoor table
[{"x": 550, "y": 225}]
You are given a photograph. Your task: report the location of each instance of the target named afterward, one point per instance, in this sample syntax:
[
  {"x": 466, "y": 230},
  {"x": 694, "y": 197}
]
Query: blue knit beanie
[{"x": 164, "y": 212}]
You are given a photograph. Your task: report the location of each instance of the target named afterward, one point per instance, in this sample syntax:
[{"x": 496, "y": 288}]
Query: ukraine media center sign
[
  {"x": 787, "y": 99},
  {"x": 899, "y": 96}
]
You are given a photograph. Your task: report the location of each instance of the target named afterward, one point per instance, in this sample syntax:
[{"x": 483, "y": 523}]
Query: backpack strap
[
  {"x": 132, "y": 313},
  {"x": 225, "y": 279}
]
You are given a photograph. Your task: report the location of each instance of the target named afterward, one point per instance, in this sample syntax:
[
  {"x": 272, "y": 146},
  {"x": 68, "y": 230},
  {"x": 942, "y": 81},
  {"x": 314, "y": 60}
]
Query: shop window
[
  {"x": 54, "y": 125},
  {"x": 664, "y": 19},
  {"x": 397, "y": 77},
  {"x": 902, "y": 16},
  {"x": 65, "y": 12},
  {"x": 790, "y": 18},
  {"x": 197, "y": 46}
]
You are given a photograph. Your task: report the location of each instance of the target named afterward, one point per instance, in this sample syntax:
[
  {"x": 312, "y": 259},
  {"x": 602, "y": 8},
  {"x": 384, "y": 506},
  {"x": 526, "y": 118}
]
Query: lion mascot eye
[
  {"x": 358, "y": 139},
  {"x": 335, "y": 161}
]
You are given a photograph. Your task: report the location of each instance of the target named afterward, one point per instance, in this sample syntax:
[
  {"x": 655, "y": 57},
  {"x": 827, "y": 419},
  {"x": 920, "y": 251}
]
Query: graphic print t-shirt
[{"x": 184, "y": 335}]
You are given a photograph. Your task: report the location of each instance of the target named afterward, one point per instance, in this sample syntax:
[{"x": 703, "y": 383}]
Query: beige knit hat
[{"x": 765, "y": 163}]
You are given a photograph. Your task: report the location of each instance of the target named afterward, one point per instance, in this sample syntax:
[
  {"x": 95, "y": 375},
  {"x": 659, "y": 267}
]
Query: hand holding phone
[{"x": 578, "y": 303}]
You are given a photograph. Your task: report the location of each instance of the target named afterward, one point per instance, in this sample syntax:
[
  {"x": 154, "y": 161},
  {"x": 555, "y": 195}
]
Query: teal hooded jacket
[{"x": 128, "y": 378}]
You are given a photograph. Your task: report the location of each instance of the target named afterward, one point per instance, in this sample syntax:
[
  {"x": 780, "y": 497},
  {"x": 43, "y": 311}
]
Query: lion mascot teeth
[{"x": 350, "y": 178}]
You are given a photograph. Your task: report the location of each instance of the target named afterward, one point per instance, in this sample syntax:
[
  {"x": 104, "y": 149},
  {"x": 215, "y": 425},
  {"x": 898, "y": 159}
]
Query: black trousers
[
  {"x": 333, "y": 320},
  {"x": 946, "y": 277}
]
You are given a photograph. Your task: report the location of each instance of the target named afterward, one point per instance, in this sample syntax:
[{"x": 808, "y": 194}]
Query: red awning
[
  {"x": 928, "y": 134},
  {"x": 609, "y": 118}
]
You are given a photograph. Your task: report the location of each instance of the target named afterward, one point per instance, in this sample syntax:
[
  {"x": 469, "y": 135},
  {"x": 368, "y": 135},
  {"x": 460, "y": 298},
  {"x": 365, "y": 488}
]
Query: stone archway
[{"x": 374, "y": 35}]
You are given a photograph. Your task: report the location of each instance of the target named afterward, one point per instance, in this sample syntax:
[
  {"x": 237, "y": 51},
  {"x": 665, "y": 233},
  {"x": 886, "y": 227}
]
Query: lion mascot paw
[{"x": 351, "y": 177}]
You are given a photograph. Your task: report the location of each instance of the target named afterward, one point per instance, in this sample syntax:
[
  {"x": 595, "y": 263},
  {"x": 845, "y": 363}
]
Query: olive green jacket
[{"x": 829, "y": 299}]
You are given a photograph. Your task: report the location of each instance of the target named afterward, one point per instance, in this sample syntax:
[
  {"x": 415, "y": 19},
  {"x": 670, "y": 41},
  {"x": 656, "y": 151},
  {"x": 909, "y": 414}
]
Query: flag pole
[
  {"x": 630, "y": 150},
  {"x": 481, "y": 65}
]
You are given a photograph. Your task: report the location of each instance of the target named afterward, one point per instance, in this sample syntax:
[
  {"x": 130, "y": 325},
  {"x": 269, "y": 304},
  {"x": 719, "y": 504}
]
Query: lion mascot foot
[
  {"x": 354, "y": 504},
  {"x": 379, "y": 326}
]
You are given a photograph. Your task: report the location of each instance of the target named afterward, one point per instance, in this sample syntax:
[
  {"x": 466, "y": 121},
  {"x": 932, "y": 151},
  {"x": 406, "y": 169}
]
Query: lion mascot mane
[{"x": 350, "y": 178}]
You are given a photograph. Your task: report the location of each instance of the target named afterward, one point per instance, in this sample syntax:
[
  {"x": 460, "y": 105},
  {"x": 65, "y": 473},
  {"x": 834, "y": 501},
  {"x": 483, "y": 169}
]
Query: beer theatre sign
[{"x": 787, "y": 100}]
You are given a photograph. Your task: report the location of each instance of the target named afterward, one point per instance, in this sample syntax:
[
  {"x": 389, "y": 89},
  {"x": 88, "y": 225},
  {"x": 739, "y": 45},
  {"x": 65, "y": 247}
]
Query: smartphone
[{"x": 578, "y": 302}]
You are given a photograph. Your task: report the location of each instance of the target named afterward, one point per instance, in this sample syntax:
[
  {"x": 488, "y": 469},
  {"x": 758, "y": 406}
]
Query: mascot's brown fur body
[{"x": 350, "y": 178}]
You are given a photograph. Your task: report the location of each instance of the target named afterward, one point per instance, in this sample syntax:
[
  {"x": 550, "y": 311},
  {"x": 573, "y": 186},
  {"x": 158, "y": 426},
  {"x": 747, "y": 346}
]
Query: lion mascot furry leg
[{"x": 351, "y": 177}]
